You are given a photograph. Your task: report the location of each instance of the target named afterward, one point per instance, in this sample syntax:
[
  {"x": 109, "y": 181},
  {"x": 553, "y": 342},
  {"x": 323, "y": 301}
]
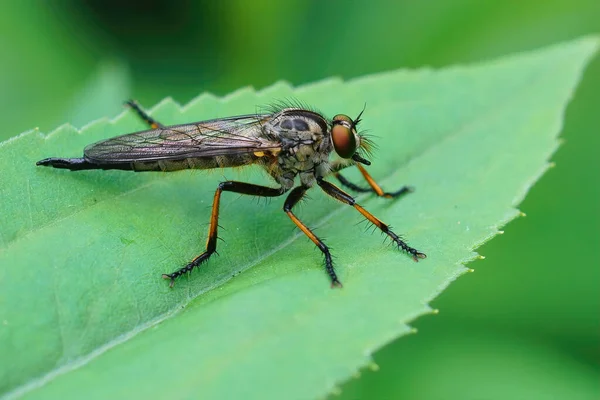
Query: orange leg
[
  {"x": 211, "y": 242},
  {"x": 142, "y": 114},
  {"x": 294, "y": 197},
  {"x": 344, "y": 197},
  {"x": 374, "y": 187}
]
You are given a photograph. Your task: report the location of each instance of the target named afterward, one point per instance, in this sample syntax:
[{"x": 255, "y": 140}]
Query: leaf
[{"x": 82, "y": 253}]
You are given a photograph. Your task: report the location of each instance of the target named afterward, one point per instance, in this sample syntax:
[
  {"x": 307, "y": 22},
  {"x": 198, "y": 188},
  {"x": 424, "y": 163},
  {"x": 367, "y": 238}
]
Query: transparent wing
[{"x": 218, "y": 137}]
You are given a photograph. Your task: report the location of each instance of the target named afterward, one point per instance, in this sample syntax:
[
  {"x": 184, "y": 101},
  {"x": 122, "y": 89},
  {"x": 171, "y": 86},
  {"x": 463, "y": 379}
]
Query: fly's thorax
[
  {"x": 305, "y": 144},
  {"x": 295, "y": 128},
  {"x": 303, "y": 135}
]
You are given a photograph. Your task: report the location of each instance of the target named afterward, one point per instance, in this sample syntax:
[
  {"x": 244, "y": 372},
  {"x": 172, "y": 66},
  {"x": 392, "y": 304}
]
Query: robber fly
[{"x": 288, "y": 142}]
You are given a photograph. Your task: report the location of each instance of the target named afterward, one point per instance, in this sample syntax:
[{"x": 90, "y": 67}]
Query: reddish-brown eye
[{"x": 343, "y": 139}]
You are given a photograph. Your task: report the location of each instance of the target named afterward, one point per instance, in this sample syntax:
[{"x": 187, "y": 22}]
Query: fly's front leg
[
  {"x": 294, "y": 197},
  {"x": 345, "y": 182},
  {"x": 211, "y": 242},
  {"x": 339, "y": 165},
  {"x": 142, "y": 114},
  {"x": 373, "y": 186},
  {"x": 344, "y": 197},
  {"x": 377, "y": 189}
]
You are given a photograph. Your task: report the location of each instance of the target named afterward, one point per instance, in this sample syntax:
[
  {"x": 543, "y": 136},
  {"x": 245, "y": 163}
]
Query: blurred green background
[{"x": 526, "y": 324}]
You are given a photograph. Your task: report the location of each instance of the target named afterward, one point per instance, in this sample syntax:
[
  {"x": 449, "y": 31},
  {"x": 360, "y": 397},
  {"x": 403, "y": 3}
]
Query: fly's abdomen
[
  {"x": 237, "y": 160},
  {"x": 80, "y": 164}
]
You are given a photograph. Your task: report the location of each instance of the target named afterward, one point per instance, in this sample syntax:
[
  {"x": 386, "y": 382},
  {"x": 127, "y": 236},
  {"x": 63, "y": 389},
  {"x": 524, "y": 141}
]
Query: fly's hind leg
[
  {"x": 294, "y": 197},
  {"x": 143, "y": 115},
  {"x": 211, "y": 242}
]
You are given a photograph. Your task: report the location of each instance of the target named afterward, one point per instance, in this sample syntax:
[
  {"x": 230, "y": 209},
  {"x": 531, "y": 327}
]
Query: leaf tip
[{"x": 593, "y": 41}]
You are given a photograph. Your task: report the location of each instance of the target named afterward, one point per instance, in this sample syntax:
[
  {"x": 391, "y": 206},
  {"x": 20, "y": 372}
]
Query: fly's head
[{"x": 347, "y": 141}]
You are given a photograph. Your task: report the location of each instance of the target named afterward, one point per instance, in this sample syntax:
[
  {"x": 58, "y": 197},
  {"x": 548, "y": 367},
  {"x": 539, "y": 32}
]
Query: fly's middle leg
[
  {"x": 344, "y": 197},
  {"x": 211, "y": 242},
  {"x": 294, "y": 197},
  {"x": 143, "y": 115}
]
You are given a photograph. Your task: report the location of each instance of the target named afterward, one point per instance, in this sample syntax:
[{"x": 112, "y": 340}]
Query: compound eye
[
  {"x": 343, "y": 138},
  {"x": 340, "y": 118}
]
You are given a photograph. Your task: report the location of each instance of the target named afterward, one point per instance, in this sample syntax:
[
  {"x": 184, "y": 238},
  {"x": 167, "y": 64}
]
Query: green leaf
[{"x": 84, "y": 309}]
